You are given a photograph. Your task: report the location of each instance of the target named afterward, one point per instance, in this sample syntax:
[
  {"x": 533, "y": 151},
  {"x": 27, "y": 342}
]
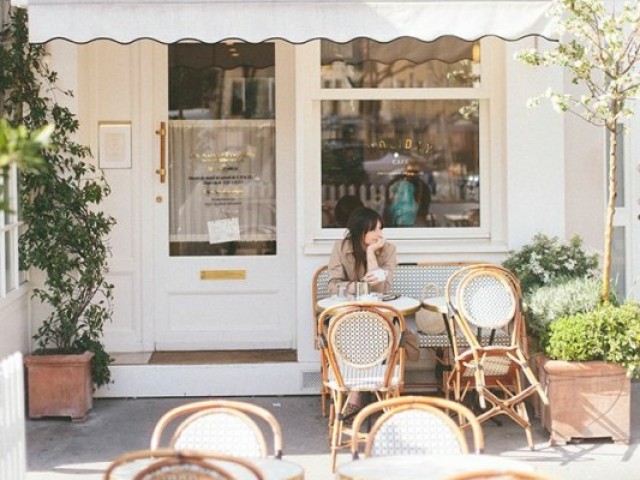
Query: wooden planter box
[
  {"x": 59, "y": 385},
  {"x": 586, "y": 400}
]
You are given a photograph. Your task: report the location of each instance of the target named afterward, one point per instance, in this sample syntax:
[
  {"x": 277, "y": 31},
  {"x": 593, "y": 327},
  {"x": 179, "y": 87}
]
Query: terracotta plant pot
[
  {"x": 586, "y": 400},
  {"x": 59, "y": 385}
]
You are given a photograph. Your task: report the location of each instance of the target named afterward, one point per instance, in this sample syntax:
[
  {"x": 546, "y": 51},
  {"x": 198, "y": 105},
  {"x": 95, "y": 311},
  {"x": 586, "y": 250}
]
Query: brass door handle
[{"x": 162, "y": 171}]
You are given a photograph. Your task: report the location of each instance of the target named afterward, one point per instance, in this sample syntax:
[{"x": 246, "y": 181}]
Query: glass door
[{"x": 222, "y": 277}]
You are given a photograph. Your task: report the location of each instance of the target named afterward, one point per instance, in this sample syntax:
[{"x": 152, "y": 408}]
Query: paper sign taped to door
[{"x": 225, "y": 230}]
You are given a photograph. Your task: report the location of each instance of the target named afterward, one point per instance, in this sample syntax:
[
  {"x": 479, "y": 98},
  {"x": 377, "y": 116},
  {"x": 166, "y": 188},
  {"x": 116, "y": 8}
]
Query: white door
[{"x": 223, "y": 186}]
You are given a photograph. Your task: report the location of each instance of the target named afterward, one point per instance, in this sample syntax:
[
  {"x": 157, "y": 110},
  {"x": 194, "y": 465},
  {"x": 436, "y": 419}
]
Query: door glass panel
[
  {"x": 416, "y": 162},
  {"x": 403, "y": 63},
  {"x": 222, "y": 149}
]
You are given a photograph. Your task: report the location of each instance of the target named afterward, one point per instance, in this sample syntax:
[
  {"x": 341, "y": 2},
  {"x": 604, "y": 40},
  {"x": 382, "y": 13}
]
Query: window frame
[
  {"x": 10, "y": 224},
  {"x": 490, "y": 235}
]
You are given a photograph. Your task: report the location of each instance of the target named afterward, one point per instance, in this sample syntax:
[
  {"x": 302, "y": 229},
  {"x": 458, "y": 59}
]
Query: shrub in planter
[
  {"x": 610, "y": 333},
  {"x": 590, "y": 357},
  {"x": 550, "y": 302},
  {"x": 65, "y": 234},
  {"x": 547, "y": 260}
]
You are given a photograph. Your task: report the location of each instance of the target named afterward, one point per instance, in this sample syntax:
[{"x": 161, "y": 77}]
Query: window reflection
[
  {"x": 416, "y": 162},
  {"x": 402, "y": 63},
  {"x": 221, "y": 139}
]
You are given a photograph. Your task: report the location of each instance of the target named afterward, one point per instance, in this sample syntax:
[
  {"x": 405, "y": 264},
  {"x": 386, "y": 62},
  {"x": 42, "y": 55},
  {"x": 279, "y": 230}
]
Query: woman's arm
[
  {"x": 383, "y": 259},
  {"x": 337, "y": 271}
]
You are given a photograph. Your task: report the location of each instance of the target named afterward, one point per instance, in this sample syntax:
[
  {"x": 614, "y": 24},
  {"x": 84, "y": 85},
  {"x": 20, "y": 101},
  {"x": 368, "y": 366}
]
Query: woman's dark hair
[
  {"x": 345, "y": 207},
  {"x": 360, "y": 222}
]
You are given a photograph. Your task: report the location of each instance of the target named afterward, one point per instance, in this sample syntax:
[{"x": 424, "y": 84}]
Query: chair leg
[
  {"x": 336, "y": 430},
  {"x": 522, "y": 411}
]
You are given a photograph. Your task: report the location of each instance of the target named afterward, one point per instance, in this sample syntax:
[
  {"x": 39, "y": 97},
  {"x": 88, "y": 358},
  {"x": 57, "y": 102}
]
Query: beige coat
[{"x": 342, "y": 266}]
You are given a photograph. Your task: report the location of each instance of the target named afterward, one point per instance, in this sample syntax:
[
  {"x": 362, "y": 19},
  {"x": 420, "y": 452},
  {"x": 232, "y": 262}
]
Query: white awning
[{"x": 296, "y": 21}]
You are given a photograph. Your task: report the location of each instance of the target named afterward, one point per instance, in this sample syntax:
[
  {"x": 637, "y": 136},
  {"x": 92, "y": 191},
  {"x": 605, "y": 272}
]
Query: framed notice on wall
[{"x": 114, "y": 149}]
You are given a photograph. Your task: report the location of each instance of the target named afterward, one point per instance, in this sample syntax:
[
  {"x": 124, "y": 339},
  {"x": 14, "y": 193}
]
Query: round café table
[
  {"x": 272, "y": 468},
  {"x": 425, "y": 467},
  {"x": 436, "y": 304},
  {"x": 406, "y": 305}
]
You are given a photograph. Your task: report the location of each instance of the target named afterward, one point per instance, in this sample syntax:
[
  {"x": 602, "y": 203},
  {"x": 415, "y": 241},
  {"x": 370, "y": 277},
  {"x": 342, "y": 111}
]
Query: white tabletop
[
  {"x": 425, "y": 467},
  {"x": 272, "y": 469},
  {"x": 406, "y": 305},
  {"x": 435, "y": 304}
]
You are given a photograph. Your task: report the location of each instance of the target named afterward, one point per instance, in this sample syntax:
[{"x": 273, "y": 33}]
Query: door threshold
[{"x": 206, "y": 357}]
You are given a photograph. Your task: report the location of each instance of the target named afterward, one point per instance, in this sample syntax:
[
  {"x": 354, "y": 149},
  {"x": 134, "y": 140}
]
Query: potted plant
[
  {"x": 590, "y": 358},
  {"x": 599, "y": 48},
  {"x": 64, "y": 240}
]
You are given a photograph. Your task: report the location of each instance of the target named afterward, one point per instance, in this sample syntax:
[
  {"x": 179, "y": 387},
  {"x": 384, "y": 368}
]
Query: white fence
[{"x": 13, "y": 464}]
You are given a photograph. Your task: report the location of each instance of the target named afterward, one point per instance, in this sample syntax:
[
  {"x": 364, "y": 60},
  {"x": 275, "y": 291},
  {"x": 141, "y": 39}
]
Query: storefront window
[
  {"x": 415, "y": 161},
  {"x": 10, "y": 225},
  {"x": 222, "y": 149},
  {"x": 404, "y": 63}
]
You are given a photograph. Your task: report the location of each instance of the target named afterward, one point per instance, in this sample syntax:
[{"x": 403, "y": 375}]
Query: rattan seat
[
  {"x": 222, "y": 426},
  {"x": 362, "y": 343},
  {"x": 416, "y": 425},
  {"x": 487, "y": 298},
  {"x": 170, "y": 464}
]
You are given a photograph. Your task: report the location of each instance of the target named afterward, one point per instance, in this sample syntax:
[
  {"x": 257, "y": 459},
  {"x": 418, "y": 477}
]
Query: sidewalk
[{"x": 62, "y": 450}]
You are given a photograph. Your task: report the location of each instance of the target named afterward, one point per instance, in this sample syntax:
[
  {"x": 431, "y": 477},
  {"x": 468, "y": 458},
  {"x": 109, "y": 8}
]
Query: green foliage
[
  {"x": 599, "y": 47},
  {"x": 65, "y": 234},
  {"x": 550, "y": 302},
  {"x": 609, "y": 333},
  {"x": 546, "y": 260},
  {"x": 20, "y": 147}
]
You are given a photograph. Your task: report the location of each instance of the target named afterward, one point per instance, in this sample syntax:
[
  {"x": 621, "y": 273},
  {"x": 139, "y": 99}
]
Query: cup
[
  {"x": 362, "y": 289},
  {"x": 380, "y": 274},
  {"x": 342, "y": 290}
]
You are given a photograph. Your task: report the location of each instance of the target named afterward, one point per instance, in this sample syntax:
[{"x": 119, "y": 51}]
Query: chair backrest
[
  {"x": 486, "y": 299},
  {"x": 417, "y": 425},
  {"x": 183, "y": 469},
  {"x": 319, "y": 286},
  {"x": 363, "y": 344},
  {"x": 490, "y": 306},
  {"x": 222, "y": 426},
  {"x": 418, "y": 280},
  {"x": 169, "y": 464}
]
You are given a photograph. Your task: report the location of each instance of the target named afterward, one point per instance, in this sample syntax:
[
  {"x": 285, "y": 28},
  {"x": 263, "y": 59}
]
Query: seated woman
[{"x": 363, "y": 255}]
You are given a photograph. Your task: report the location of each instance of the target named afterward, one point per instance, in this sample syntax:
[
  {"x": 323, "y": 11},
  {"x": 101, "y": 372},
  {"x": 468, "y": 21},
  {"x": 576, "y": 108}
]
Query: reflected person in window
[{"x": 363, "y": 255}]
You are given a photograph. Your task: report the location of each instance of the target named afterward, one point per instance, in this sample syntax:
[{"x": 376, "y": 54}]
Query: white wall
[
  {"x": 109, "y": 86},
  {"x": 14, "y": 323},
  {"x": 536, "y": 161},
  {"x": 585, "y": 181}
]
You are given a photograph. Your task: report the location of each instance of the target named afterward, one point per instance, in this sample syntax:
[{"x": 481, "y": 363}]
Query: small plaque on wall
[{"x": 114, "y": 145}]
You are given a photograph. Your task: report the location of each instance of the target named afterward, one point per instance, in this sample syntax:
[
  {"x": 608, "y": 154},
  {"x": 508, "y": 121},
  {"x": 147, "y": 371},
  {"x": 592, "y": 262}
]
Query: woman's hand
[
  {"x": 374, "y": 277},
  {"x": 374, "y": 247}
]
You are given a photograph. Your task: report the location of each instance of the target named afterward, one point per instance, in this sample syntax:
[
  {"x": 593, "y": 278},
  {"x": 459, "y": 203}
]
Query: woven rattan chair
[
  {"x": 363, "y": 347},
  {"x": 487, "y": 299},
  {"x": 169, "y": 464},
  {"x": 319, "y": 291},
  {"x": 498, "y": 475},
  {"x": 417, "y": 425},
  {"x": 222, "y": 426}
]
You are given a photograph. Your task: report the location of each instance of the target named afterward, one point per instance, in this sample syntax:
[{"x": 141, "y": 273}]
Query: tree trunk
[{"x": 611, "y": 208}]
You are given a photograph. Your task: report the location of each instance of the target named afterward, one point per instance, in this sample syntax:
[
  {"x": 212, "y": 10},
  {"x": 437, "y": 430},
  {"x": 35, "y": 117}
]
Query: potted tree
[
  {"x": 600, "y": 49},
  {"x": 64, "y": 241},
  {"x": 586, "y": 351}
]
